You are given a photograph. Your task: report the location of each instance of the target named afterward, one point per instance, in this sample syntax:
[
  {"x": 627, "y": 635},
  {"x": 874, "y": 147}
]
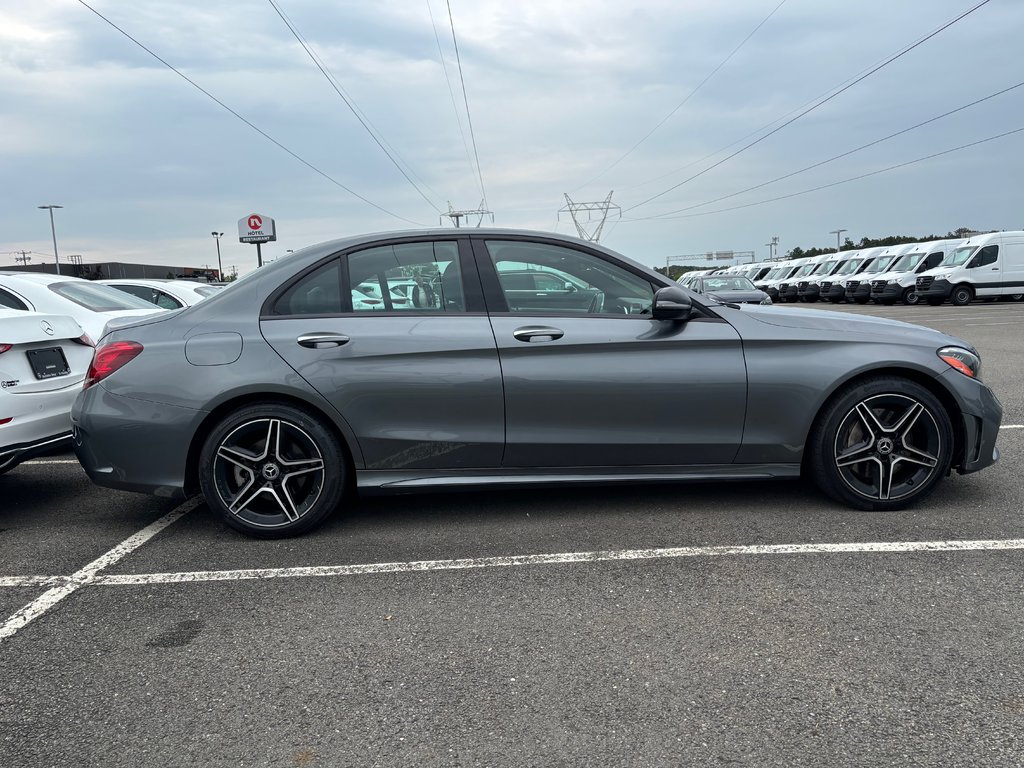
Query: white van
[
  {"x": 982, "y": 266},
  {"x": 775, "y": 279},
  {"x": 788, "y": 287},
  {"x": 899, "y": 282},
  {"x": 809, "y": 290},
  {"x": 858, "y": 287}
]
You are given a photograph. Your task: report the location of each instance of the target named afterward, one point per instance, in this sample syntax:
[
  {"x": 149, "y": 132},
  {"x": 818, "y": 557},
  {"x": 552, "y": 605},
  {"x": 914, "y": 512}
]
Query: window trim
[{"x": 25, "y": 305}]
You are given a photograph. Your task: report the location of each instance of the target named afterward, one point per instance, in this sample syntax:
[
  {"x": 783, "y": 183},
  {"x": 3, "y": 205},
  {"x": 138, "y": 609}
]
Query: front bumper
[
  {"x": 810, "y": 292},
  {"x": 836, "y": 293},
  {"x": 117, "y": 437},
  {"x": 890, "y": 293},
  {"x": 981, "y": 415},
  {"x": 938, "y": 289}
]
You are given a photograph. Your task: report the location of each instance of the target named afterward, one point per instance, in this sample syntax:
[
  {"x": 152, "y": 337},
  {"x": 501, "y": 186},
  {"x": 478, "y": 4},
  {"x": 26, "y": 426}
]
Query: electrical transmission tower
[
  {"x": 597, "y": 213},
  {"x": 24, "y": 258},
  {"x": 457, "y": 216}
]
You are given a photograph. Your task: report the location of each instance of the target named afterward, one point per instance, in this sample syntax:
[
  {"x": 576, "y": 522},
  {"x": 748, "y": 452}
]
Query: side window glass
[
  {"x": 11, "y": 302},
  {"x": 409, "y": 277},
  {"x": 139, "y": 291},
  {"x": 165, "y": 301},
  {"x": 317, "y": 293},
  {"x": 537, "y": 278},
  {"x": 985, "y": 256}
]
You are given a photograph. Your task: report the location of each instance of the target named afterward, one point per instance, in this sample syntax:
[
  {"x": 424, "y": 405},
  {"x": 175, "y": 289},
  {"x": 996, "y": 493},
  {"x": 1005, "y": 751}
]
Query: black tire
[
  {"x": 910, "y": 297},
  {"x": 962, "y": 295},
  {"x": 272, "y": 470},
  {"x": 934, "y": 301},
  {"x": 881, "y": 444}
]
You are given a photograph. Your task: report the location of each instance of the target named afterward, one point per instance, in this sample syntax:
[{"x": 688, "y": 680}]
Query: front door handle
[
  {"x": 537, "y": 333},
  {"x": 322, "y": 340}
]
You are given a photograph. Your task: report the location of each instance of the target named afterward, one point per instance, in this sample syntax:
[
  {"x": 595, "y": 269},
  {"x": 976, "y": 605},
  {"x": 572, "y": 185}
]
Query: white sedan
[
  {"x": 43, "y": 361},
  {"x": 166, "y": 294},
  {"x": 91, "y": 305}
]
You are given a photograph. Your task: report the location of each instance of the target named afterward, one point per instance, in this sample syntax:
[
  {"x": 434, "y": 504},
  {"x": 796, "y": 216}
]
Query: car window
[
  {"x": 166, "y": 301},
  {"x": 317, "y": 293},
  {"x": 98, "y": 298},
  {"x": 11, "y": 301},
  {"x": 583, "y": 283},
  {"x": 408, "y": 277}
]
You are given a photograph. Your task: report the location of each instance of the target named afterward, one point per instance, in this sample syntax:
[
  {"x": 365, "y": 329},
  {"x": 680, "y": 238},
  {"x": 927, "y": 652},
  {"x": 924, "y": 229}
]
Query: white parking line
[
  {"x": 52, "y": 461},
  {"x": 554, "y": 559},
  {"x": 87, "y": 575}
]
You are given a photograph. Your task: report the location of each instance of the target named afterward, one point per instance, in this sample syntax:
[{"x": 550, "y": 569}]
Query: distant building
[{"x": 108, "y": 270}]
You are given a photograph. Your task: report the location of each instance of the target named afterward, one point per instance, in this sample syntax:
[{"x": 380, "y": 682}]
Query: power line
[
  {"x": 817, "y": 104},
  {"x": 835, "y": 183},
  {"x": 841, "y": 155},
  {"x": 349, "y": 102},
  {"x": 451, "y": 91},
  {"x": 688, "y": 97},
  {"x": 465, "y": 98},
  {"x": 261, "y": 132}
]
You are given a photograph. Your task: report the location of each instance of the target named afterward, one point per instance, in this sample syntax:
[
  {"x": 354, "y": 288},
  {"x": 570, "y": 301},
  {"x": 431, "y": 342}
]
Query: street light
[
  {"x": 837, "y": 233},
  {"x": 53, "y": 232},
  {"x": 220, "y": 270}
]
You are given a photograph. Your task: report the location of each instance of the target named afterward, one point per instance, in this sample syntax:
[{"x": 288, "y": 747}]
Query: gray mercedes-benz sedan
[{"x": 282, "y": 392}]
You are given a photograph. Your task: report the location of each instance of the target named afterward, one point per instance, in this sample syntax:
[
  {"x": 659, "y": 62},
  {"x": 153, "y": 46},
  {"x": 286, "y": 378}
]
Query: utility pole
[
  {"x": 220, "y": 270},
  {"x": 838, "y": 233},
  {"x": 24, "y": 258},
  {"x": 597, "y": 211},
  {"x": 457, "y": 216}
]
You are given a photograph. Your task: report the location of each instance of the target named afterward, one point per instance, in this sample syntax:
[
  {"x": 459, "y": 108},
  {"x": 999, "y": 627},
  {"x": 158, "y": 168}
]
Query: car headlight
[
  {"x": 766, "y": 300},
  {"x": 890, "y": 282},
  {"x": 963, "y": 360}
]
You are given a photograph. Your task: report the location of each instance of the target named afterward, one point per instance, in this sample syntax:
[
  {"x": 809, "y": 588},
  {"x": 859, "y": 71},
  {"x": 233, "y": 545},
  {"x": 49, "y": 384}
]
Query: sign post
[{"x": 257, "y": 228}]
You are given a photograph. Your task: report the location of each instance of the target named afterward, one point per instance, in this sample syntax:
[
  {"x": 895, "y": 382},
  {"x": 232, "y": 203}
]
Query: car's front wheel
[
  {"x": 271, "y": 470},
  {"x": 881, "y": 444}
]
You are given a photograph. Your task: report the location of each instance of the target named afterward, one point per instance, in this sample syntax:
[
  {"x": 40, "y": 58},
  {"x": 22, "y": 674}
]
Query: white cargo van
[
  {"x": 899, "y": 282},
  {"x": 809, "y": 290},
  {"x": 776, "y": 278},
  {"x": 788, "y": 287},
  {"x": 982, "y": 266}
]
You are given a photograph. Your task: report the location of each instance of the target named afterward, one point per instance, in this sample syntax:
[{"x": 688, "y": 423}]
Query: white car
[
  {"x": 43, "y": 361},
  {"x": 91, "y": 305},
  {"x": 166, "y": 294}
]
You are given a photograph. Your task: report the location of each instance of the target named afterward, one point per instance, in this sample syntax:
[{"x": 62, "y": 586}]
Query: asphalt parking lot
[{"x": 757, "y": 624}]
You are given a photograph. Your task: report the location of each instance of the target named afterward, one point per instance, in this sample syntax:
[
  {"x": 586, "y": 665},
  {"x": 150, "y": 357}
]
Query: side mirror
[{"x": 671, "y": 303}]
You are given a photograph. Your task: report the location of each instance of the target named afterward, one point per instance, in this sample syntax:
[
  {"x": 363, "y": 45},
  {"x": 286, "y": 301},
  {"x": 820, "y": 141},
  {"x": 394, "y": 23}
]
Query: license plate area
[{"x": 48, "y": 363}]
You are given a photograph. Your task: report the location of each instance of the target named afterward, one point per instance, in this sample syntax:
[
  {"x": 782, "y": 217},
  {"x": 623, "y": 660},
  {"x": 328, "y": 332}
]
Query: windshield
[
  {"x": 804, "y": 270},
  {"x": 774, "y": 273},
  {"x": 850, "y": 267},
  {"x": 98, "y": 298},
  {"x": 880, "y": 264},
  {"x": 958, "y": 257},
  {"x": 825, "y": 268},
  {"x": 728, "y": 284},
  {"x": 907, "y": 262}
]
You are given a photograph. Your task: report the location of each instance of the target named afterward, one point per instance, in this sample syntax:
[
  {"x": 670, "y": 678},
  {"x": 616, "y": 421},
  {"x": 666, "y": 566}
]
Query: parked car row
[
  {"x": 48, "y": 327},
  {"x": 987, "y": 266}
]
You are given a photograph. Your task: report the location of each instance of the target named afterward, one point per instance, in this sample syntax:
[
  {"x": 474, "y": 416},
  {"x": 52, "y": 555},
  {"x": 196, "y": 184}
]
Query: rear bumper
[
  {"x": 116, "y": 438},
  {"x": 15, "y": 454}
]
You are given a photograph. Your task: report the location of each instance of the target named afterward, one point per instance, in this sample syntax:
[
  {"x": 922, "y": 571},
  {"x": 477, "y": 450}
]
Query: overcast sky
[{"x": 146, "y": 166}]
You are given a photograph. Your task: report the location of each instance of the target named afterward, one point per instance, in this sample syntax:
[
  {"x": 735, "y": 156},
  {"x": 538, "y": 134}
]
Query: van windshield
[
  {"x": 907, "y": 262},
  {"x": 959, "y": 256},
  {"x": 880, "y": 264},
  {"x": 850, "y": 267},
  {"x": 825, "y": 268},
  {"x": 804, "y": 270}
]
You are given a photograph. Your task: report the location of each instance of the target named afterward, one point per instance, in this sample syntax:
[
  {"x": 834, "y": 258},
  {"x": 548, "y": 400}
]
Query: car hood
[
  {"x": 848, "y": 323},
  {"x": 738, "y": 297}
]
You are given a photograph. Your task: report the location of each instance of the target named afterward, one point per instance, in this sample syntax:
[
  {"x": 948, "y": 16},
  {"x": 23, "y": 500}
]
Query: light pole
[
  {"x": 837, "y": 233},
  {"x": 220, "y": 270},
  {"x": 53, "y": 232}
]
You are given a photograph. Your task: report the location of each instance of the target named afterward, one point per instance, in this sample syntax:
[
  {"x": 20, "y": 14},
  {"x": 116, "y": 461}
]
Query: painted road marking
[
  {"x": 560, "y": 558},
  {"x": 88, "y": 574}
]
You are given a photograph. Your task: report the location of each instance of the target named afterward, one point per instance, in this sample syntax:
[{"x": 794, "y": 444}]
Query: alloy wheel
[{"x": 887, "y": 447}]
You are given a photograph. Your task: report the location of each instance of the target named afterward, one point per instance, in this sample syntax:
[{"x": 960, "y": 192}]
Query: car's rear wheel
[
  {"x": 271, "y": 470},
  {"x": 881, "y": 444}
]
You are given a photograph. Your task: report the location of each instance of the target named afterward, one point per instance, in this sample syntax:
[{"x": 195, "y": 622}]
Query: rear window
[{"x": 98, "y": 298}]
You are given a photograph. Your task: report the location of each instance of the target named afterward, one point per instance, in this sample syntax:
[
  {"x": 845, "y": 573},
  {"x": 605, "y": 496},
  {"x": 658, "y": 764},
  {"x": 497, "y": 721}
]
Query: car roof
[{"x": 40, "y": 278}]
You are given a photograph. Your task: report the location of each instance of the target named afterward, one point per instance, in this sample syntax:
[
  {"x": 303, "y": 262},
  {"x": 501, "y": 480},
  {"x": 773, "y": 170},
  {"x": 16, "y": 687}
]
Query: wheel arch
[
  {"x": 929, "y": 382},
  {"x": 214, "y": 417}
]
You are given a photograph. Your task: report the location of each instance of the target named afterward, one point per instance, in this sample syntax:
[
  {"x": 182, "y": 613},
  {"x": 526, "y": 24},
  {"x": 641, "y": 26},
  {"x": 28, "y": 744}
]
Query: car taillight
[
  {"x": 109, "y": 358},
  {"x": 4, "y": 348},
  {"x": 85, "y": 340}
]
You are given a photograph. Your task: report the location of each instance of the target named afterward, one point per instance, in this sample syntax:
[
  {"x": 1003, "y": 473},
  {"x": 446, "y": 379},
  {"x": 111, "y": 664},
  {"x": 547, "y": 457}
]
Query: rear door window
[{"x": 407, "y": 277}]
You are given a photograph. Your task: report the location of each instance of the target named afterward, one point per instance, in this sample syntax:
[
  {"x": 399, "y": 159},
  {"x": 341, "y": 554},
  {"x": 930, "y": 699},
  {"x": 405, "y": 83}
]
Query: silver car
[{"x": 280, "y": 393}]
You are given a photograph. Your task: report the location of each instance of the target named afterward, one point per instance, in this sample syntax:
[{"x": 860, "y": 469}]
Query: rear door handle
[
  {"x": 322, "y": 340},
  {"x": 537, "y": 333}
]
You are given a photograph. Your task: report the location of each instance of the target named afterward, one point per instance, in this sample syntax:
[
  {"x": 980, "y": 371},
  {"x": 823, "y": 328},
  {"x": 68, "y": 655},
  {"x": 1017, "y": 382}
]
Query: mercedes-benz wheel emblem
[
  {"x": 886, "y": 446},
  {"x": 271, "y": 471}
]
